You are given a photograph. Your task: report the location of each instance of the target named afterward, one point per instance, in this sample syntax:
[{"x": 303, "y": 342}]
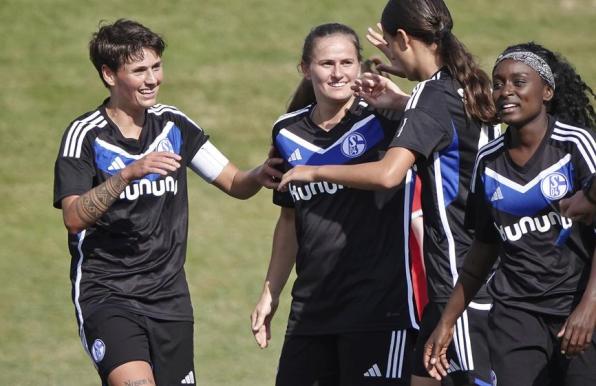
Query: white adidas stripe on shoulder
[
  {"x": 415, "y": 97},
  {"x": 77, "y": 132},
  {"x": 292, "y": 114},
  {"x": 582, "y": 138},
  {"x": 485, "y": 150},
  {"x": 160, "y": 109},
  {"x": 74, "y": 129}
]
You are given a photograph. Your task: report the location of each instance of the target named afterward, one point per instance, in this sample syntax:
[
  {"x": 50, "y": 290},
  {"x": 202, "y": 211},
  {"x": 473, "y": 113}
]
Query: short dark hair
[{"x": 115, "y": 44}]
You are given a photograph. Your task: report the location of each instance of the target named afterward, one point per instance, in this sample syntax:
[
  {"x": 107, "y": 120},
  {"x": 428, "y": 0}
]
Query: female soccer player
[
  {"x": 120, "y": 180},
  {"x": 441, "y": 131},
  {"x": 353, "y": 313},
  {"x": 544, "y": 314}
]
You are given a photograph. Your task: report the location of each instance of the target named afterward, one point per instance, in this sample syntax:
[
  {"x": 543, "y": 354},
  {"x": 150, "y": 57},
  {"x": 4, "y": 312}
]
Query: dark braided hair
[
  {"x": 431, "y": 22},
  {"x": 571, "y": 100}
]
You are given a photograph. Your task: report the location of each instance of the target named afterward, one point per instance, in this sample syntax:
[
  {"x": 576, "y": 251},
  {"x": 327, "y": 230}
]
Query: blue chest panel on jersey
[
  {"x": 549, "y": 186},
  {"x": 361, "y": 137},
  {"x": 110, "y": 158},
  {"x": 449, "y": 160}
]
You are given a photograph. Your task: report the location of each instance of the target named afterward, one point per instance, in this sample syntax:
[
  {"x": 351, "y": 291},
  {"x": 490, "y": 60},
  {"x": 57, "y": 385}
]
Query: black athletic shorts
[
  {"x": 114, "y": 336},
  {"x": 526, "y": 351},
  {"x": 362, "y": 358},
  {"x": 468, "y": 353}
]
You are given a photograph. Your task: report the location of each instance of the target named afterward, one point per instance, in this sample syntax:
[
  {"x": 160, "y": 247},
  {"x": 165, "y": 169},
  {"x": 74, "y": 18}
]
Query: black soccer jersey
[
  {"x": 133, "y": 256},
  {"x": 435, "y": 126},
  {"x": 352, "y": 263},
  {"x": 546, "y": 257}
]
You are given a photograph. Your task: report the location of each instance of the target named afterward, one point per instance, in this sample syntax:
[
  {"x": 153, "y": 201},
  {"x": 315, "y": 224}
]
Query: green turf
[{"x": 231, "y": 66}]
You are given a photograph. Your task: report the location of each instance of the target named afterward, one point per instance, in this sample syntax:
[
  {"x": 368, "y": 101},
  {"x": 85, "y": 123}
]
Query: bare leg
[{"x": 135, "y": 373}]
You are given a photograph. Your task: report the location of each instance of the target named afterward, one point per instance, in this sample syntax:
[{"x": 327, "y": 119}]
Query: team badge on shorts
[
  {"x": 493, "y": 378},
  {"x": 98, "y": 350},
  {"x": 554, "y": 186},
  {"x": 353, "y": 145}
]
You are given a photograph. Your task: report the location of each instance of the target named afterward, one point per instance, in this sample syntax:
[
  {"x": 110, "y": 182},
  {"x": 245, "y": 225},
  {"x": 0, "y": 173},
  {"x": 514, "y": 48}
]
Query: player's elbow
[
  {"x": 389, "y": 179},
  {"x": 73, "y": 227},
  {"x": 73, "y": 224}
]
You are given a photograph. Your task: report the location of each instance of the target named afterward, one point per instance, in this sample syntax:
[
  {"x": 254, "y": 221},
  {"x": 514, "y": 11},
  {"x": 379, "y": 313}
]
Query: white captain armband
[{"x": 208, "y": 162}]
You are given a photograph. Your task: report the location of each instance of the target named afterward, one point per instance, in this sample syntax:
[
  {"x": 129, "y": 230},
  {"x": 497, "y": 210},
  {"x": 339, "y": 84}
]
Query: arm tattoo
[{"x": 93, "y": 204}]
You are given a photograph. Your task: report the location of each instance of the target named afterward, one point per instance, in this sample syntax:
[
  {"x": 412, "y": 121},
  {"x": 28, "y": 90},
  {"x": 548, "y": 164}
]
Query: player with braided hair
[{"x": 544, "y": 314}]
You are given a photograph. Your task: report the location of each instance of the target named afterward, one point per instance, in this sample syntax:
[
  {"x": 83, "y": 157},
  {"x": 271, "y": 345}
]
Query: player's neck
[
  {"x": 327, "y": 115},
  {"x": 129, "y": 122},
  {"x": 526, "y": 139}
]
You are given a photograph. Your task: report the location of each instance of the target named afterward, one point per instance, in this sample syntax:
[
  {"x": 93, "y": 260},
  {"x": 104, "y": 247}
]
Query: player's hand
[
  {"x": 578, "y": 208},
  {"x": 260, "y": 319},
  {"x": 300, "y": 173},
  {"x": 380, "y": 92},
  {"x": 268, "y": 175},
  {"x": 576, "y": 333},
  {"x": 158, "y": 162},
  {"x": 435, "y": 351},
  {"x": 375, "y": 37}
]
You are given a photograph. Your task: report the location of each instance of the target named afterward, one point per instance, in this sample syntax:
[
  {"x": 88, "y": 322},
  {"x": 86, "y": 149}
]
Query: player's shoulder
[
  {"x": 491, "y": 150},
  {"x": 564, "y": 132},
  {"x": 163, "y": 112},
  {"x": 289, "y": 119},
  {"x": 80, "y": 128},
  {"x": 429, "y": 92},
  {"x": 92, "y": 118},
  {"x": 575, "y": 140}
]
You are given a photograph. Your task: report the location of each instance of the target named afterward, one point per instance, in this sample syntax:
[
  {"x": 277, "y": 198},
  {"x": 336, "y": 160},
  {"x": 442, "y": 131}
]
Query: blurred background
[{"x": 231, "y": 66}]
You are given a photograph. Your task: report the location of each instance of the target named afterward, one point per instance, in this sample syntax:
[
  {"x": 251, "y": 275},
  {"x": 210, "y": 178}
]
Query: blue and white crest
[
  {"x": 165, "y": 145},
  {"x": 554, "y": 186},
  {"x": 353, "y": 145},
  {"x": 493, "y": 378},
  {"x": 98, "y": 350}
]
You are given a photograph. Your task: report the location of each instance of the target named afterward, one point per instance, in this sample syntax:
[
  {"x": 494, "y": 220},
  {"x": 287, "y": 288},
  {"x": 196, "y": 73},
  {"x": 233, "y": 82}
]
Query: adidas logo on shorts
[{"x": 189, "y": 379}]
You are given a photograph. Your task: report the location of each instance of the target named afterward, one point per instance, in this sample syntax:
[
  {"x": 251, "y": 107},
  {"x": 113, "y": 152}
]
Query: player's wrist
[{"x": 125, "y": 175}]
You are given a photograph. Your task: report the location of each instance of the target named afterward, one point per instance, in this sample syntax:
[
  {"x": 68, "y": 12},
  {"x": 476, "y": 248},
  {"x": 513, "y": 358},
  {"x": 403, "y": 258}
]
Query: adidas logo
[
  {"x": 295, "y": 156},
  {"x": 117, "y": 164},
  {"x": 189, "y": 379},
  {"x": 373, "y": 372},
  {"x": 453, "y": 367},
  {"x": 497, "y": 195}
]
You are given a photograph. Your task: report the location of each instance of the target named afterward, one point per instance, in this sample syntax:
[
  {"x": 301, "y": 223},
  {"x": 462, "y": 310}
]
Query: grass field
[{"x": 231, "y": 65}]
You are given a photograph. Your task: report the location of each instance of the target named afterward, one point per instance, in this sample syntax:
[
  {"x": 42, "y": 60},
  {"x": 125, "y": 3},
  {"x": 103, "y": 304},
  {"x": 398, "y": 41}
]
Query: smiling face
[
  {"x": 519, "y": 93},
  {"x": 135, "y": 85},
  {"x": 332, "y": 69}
]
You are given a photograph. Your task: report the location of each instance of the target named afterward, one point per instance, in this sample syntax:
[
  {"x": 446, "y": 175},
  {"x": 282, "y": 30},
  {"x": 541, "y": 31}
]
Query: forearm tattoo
[{"x": 93, "y": 204}]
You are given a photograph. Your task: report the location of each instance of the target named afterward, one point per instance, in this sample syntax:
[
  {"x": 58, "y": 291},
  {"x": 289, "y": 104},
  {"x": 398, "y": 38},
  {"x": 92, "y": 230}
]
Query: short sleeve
[
  {"x": 283, "y": 199},
  {"x": 73, "y": 173},
  {"x": 478, "y": 212},
  {"x": 421, "y": 133},
  {"x": 584, "y": 155},
  {"x": 194, "y": 137}
]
